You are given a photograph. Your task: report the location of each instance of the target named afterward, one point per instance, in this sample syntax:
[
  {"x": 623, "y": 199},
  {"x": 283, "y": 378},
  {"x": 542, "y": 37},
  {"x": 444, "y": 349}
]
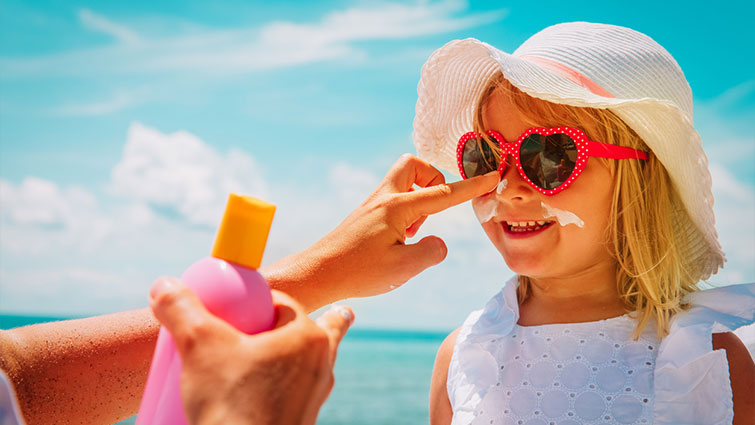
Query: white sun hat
[{"x": 585, "y": 65}]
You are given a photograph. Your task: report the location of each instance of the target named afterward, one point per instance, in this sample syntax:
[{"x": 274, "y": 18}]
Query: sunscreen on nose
[
  {"x": 229, "y": 285},
  {"x": 501, "y": 186}
]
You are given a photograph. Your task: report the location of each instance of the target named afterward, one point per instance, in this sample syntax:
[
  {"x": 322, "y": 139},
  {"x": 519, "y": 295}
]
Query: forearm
[
  {"x": 301, "y": 276},
  {"x": 85, "y": 371}
]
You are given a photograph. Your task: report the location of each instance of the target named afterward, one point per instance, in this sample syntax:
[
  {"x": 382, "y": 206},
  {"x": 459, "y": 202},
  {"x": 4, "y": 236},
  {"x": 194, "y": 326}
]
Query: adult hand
[
  {"x": 282, "y": 376},
  {"x": 366, "y": 254}
]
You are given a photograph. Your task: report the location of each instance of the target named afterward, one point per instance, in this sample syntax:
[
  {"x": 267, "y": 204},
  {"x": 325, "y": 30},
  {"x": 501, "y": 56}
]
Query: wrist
[{"x": 303, "y": 277}]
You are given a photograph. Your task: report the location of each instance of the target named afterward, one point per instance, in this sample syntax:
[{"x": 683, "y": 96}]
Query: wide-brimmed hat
[{"x": 585, "y": 65}]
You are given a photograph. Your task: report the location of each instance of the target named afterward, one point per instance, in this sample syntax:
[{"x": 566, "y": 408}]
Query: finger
[
  {"x": 183, "y": 315},
  {"x": 336, "y": 323},
  {"x": 416, "y": 257},
  {"x": 414, "y": 227},
  {"x": 410, "y": 170},
  {"x": 431, "y": 200}
]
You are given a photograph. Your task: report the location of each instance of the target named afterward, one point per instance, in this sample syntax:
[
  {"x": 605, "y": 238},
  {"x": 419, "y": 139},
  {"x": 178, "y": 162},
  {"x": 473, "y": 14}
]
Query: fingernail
[
  {"x": 344, "y": 312},
  {"x": 162, "y": 286}
]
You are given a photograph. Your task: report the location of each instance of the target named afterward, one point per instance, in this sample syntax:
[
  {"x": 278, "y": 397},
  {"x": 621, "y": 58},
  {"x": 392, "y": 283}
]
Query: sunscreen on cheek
[
  {"x": 564, "y": 217},
  {"x": 485, "y": 207}
]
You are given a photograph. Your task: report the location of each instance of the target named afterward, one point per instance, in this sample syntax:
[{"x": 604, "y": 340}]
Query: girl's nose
[{"x": 516, "y": 188}]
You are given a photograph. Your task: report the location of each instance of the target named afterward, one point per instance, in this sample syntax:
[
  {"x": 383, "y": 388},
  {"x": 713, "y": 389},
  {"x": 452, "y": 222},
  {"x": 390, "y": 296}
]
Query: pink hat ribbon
[{"x": 570, "y": 74}]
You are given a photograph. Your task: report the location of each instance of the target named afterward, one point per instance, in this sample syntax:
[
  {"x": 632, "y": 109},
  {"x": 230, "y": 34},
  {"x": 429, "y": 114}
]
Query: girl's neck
[{"x": 583, "y": 297}]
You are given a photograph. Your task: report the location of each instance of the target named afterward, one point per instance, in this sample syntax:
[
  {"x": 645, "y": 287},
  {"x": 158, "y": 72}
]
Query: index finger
[{"x": 434, "y": 199}]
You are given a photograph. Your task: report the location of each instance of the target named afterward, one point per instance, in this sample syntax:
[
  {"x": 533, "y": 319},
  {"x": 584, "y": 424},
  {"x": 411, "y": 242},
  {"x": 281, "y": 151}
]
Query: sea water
[{"x": 382, "y": 376}]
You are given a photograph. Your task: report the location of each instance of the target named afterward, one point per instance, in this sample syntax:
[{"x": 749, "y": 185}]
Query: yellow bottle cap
[{"x": 243, "y": 232}]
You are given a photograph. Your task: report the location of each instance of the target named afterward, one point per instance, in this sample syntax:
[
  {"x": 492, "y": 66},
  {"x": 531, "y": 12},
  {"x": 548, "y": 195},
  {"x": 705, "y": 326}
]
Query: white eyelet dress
[{"x": 594, "y": 372}]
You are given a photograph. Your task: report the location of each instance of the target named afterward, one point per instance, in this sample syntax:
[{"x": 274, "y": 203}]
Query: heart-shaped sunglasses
[{"x": 549, "y": 159}]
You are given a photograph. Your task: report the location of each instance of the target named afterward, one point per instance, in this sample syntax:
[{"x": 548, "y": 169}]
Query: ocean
[{"x": 382, "y": 376}]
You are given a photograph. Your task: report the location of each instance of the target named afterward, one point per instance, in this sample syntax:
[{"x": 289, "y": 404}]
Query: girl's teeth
[{"x": 526, "y": 226}]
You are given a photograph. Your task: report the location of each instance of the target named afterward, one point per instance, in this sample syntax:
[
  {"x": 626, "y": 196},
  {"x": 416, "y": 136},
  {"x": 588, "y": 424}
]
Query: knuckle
[
  {"x": 193, "y": 333},
  {"x": 407, "y": 158},
  {"x": 441, "y": 190},
  {"x": 167, "y": 299},
  {"x": 386, "y": 202},
  {"x": 309, "y": 339},
  {"x": 318, "y": 340},
  {"x": 185, "y": 343},
  {"x": 202, "y": 329},
  {"x": 391, "y": 202}
]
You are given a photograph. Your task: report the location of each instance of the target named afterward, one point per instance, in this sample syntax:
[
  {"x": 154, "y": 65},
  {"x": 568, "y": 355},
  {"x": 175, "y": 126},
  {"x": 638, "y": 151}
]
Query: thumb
[
  {"x": 336, "y": 323},
  {"x": 183, "y": 315},
  {"x": 429, "y": 251}
]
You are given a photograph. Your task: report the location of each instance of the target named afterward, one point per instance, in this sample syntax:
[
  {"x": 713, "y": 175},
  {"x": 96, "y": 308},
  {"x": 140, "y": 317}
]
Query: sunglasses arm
[{"x": 604, "y": 150}]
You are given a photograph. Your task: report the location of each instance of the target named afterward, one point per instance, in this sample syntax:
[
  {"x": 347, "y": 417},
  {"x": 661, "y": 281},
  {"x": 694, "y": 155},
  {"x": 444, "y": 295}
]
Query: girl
[{"x": 604, "y": 211}]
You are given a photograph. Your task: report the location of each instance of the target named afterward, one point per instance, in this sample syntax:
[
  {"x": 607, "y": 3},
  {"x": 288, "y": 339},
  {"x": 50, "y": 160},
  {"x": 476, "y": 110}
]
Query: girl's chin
[{"x": 526, "y": 265}]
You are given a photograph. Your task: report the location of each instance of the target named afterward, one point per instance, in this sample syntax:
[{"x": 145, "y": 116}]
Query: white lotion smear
[
  {"x": 564, "y": 217},
  {"x": 501, "y": 186},
  {"x": 485, "y": 207},
  {"x": 346, "y": 314}
]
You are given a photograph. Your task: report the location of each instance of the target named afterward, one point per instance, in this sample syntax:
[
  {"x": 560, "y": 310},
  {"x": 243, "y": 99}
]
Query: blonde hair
[{"x": 654, "y": 268}]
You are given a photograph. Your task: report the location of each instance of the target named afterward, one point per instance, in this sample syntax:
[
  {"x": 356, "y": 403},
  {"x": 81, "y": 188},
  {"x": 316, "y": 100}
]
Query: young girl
[{"x": 604, "y": 212}]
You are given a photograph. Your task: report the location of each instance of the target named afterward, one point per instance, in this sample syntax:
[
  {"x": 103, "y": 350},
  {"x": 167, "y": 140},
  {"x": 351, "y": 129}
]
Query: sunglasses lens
[
  {"x": 548, "y": 160},
  {"x": 479, "y": 157}
]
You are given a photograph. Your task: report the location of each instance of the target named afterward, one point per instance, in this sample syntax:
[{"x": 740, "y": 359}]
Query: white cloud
[
  {"x": 727, "y": 126},
  {"x": 351, "y": 184},
  {"x": 275, "y": 45},
  {"x": 182, "y": 173},
  {"x": 117, "y": 102},
  {"x": 71, "y": 290},
  {"x": 735, "y": 212},
  {"x": 377, "y": 22},
  {"x": 37, "y": 217},
  {"x": 96, "y": 22},
  {"x": 734, "y": 96}
]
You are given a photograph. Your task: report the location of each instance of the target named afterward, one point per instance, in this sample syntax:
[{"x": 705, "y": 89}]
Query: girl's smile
[{"x": 524, "y": 229}]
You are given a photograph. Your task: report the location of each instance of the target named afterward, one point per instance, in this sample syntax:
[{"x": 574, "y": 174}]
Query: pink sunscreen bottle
[{"x": 230, "y": 288}]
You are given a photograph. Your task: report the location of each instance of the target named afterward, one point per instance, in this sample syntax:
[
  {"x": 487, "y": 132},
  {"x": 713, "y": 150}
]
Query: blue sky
[{"x": 123, "y": 126}]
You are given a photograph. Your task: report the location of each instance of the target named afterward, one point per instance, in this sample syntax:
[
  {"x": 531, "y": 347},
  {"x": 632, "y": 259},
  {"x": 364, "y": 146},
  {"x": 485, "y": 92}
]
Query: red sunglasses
[{"x": 549, "y": 159}]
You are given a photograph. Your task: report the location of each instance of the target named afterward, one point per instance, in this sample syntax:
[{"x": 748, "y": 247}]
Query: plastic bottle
[{"x": 230, "y": 288}]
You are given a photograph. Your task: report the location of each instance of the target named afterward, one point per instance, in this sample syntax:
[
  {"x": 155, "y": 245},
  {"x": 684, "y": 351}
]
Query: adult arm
[
  {"x": 741, "y": 374},
  {"x": 85, "y": 371},
  {"x": 94, "y": 370},
  {"x": 440, "y": 406},
  {"x": 367, "y": 253}
]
